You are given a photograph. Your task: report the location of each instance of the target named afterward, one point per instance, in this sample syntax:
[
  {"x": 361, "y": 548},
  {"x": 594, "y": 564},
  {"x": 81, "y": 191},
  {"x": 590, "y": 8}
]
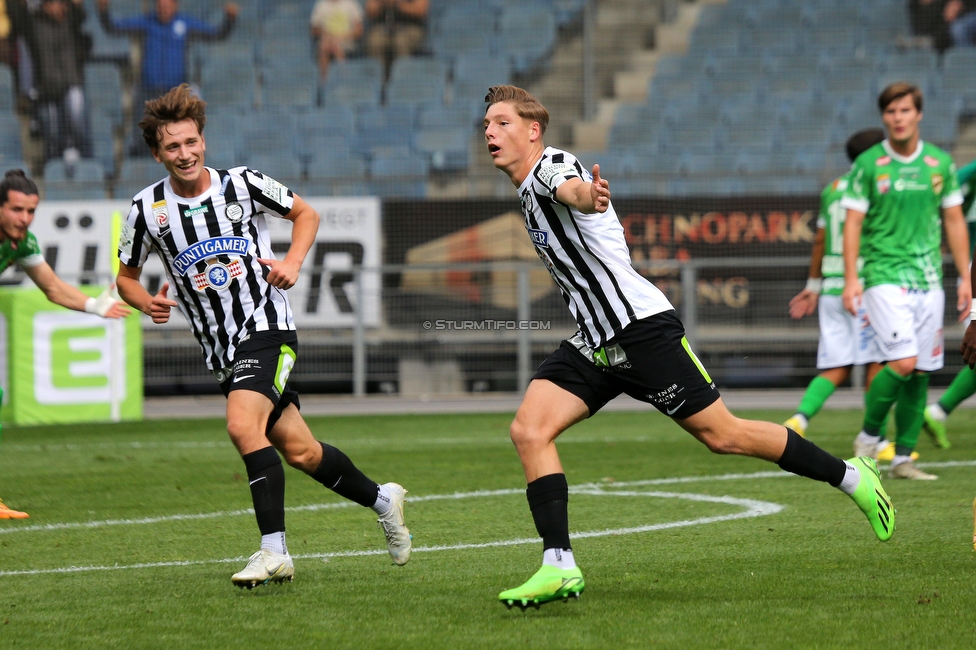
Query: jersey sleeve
[
  {"x": 134, "y": 241},
  {"x": 274, "y": 197},
  {"x": 562, "y": 168},
  {"x": 951, "y": 194},
  {"x": 31, "y": 255},
  {"x": 856, "y": 196}
]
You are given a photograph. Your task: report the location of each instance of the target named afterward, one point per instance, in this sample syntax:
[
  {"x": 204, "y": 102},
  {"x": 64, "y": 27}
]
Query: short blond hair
[{"x": 526, "y": 106}]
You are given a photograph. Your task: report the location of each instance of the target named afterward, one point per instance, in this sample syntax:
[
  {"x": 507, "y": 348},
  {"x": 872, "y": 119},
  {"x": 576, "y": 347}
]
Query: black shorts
[
  {"x": 263, "y": 363},
  {"x": 650, "y": 360}
]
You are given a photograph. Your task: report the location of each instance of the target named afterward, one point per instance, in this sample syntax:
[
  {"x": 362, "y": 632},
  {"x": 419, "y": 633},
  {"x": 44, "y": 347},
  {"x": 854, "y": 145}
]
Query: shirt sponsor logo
[
  {"x": 539, "y": 237},
  {"x": 274, "y": 190},
  {"x": 549, "y": 172},
  {"x": 884, "y": 183},
  {"x": 882, "y": 161},
  {"x": 201, "y": 250},
  {"x": 234, "y": 212},
  {"x": 218, "y": 276},
  {"x": 931, "y": 161},
  {"x": 189, "y": 213},
  {"x": 160, "y": 215}
]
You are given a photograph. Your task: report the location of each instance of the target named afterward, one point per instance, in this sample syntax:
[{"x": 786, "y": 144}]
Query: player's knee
[
  {"x": 304, "y": 458},
  {"x": 523, "y": 435}
]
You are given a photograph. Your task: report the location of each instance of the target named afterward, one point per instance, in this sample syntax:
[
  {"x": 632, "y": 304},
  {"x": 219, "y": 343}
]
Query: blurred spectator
[
  {"x": 60, "y": 50},
  {"x": 6, "y": 53},
  {"x": 336, "y": 27},
  {"x": 942, "y": 20},
  {"x": 396, "y": 28},
  {"x": 165, "y": 33}
]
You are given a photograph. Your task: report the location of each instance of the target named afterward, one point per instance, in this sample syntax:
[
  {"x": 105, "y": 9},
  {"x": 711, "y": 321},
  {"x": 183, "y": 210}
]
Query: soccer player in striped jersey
[
  {"x": 897, "y": 191},
  {"x": 629, "y": 341},
  {"x": 18, "y": 202},
  {"x": 208, "y": 228},
  {"x": 963, "y": 386}
]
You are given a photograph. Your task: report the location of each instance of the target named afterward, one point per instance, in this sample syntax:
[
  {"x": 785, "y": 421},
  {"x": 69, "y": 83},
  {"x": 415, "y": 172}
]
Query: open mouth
[{"x": 493, "y": 148}]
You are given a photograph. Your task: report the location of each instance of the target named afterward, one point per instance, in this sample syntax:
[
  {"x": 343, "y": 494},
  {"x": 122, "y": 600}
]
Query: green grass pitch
[{"x": 135, "y": 530}]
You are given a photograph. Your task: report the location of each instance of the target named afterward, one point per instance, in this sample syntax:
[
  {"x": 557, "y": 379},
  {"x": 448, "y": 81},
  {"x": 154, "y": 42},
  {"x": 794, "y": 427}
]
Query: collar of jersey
[
  {"x": 195, "y": 200},
  {"x": 900, "y": 158}
]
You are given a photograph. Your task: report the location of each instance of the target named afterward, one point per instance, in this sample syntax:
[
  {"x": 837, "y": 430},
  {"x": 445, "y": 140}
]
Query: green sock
[
  {"x": 884, "y": 392},
  {"x": 908, "y": 413},
  {"x": 816, "y": 394},
  {"x": 960, "y": 389}
]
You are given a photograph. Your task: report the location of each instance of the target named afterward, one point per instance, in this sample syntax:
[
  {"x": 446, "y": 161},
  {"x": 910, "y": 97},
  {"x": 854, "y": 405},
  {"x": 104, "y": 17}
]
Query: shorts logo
[
  {"x": 160, "y": 215},
  {"x": 884, "y": 183},
  {"x": 234, "y": 212},
  {"x": 218, "y": 276},
  {"x": 539, "y": 237}
]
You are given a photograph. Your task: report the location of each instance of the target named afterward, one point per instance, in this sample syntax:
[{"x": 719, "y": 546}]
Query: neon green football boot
[
  {"x": 549, "y": 583},
  {"x": 872, "y": 499},
  {"x": 935, "y": 426}
]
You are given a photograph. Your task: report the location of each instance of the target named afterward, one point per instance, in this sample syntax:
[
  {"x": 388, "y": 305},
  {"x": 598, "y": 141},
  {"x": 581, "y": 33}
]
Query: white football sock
[
  {"x": 561, "y": 558},
  {"x": 898, "y": 460},
  {"x": 851, "y": 479},
  {"x": 383, "y": 497},
  {"x": 275, "y": 542}
]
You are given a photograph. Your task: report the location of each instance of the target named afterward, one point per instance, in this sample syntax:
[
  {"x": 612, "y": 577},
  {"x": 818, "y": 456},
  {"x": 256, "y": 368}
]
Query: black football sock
[
  {"x": 266, "y": 476},
  {"x": 548, "y": 498},
  {"x": 337, "y": 473},
  {"x": 804, "y": 458}
]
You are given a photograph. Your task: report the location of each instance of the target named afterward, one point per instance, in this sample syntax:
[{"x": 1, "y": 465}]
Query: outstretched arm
[
  {"x": 61, "y": 293},
  {"x": 586, "y": 196}
]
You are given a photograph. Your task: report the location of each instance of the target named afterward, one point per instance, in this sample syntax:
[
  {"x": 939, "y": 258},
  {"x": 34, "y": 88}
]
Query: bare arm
[
  {"x": 805, "y": 302},
  {"x": 61, "y": 293},
  {"x": 587, "y": 197},
  {"x": 132, "y": 291},
  {"x": 957, "y": 239},
  {"x": 283, "y": 274},
  {"x": 852, "y": 248}
]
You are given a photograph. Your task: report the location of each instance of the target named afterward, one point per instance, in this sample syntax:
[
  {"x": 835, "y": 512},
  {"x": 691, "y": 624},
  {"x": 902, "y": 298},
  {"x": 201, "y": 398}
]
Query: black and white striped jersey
[
  {"x": 209, "y": 246},
  {"x": 586, "y": 254}
]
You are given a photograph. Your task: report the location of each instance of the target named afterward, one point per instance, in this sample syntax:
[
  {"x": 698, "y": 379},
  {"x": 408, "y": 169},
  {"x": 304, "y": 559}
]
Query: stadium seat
[
  {"x": 526, "y": 35},
  {"x": 10, "y": 146},
  {"x": 83, "y": 180},
  {"x": 474, "y": 74},
  {"x": 354, "y": 82},
  {"x": 415, "y": 80},
  {"x": 284, "y": 168},
  {"x": 446, "y": 148},
  {"x": 6, "y": 89},
  {"x": 464, "y": 30}
]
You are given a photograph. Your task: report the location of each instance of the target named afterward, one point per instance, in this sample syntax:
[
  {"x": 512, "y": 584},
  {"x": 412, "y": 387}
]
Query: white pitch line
[
  {"x": 753, "y": 508},
  {"x": 314, "y": 507}
]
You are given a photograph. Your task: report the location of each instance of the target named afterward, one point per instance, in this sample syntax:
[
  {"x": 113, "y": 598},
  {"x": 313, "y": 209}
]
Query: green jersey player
[
  {"x": 964, "y": 384},
  {"x": 897, "y": 191},
  {"x": 18, "y": 202},
  {"x": 842, "y": 336}
]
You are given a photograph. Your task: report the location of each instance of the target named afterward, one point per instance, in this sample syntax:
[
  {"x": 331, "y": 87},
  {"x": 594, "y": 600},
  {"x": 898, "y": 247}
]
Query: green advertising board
[{"x": 61, "y": 366}]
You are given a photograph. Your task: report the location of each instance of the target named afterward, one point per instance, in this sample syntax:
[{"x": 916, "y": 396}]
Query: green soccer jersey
[
  {"x": 27, "y": 253},
  {"x": 967, "y": 182},
  {"x": 831, "y": 219},
  {"x": 901, "y": 198}
]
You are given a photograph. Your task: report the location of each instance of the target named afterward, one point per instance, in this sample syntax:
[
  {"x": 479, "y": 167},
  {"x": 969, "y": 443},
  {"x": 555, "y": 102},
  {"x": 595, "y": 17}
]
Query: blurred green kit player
[
  {"x": 964, "y": 385},
  {"x": 897, "y": 191},
  {"x": 18, "y": 202},
  {"x": 843, "y": 337}
]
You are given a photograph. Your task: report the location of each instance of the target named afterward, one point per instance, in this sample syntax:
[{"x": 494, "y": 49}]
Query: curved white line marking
[{"x": 752, "y": 508}]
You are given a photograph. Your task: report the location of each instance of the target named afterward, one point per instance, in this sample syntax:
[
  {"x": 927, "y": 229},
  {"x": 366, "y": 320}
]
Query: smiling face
[
  {"x": 181, "y": 148},
  {"x": 514, "y": 142},
  {"x": 17, "y": 214},
  {"x": 901, "y": 119}
]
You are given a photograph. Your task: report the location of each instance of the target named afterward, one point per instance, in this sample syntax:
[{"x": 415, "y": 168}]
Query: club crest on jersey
[
  {"x": 882, "y": 161},
  {"x": 218, "y": 276},
  {"x": 201, "y": 250},
  {"x": 937, "y": 183},
  {"x": 160, "y": 215},
  {"x": 884, "y": 183},
  {"x": 234, "y": 212},
  {"x": 539, "y": 237}
]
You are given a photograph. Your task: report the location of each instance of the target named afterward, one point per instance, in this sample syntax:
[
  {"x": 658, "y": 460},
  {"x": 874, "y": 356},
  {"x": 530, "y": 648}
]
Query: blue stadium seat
[
  {"x": 959, "y": 75},
  {"x": 526, "y": 35},
  {"x": 446, "y": 148},
  {"x": 415, "y": 80},
  {"x": 10, "y": 147},
  {"x": 354, "y": 82},
  {"x": 473, "y": 75},
  {"x": 464, "y": 30},
  {"x": 399, "y": 175},
  {"x": 6, "y": 89},
  {"x": 331, "y": 166},
  {"x": 103, "y": 89},
  {"x": 281, "y": 167}
]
